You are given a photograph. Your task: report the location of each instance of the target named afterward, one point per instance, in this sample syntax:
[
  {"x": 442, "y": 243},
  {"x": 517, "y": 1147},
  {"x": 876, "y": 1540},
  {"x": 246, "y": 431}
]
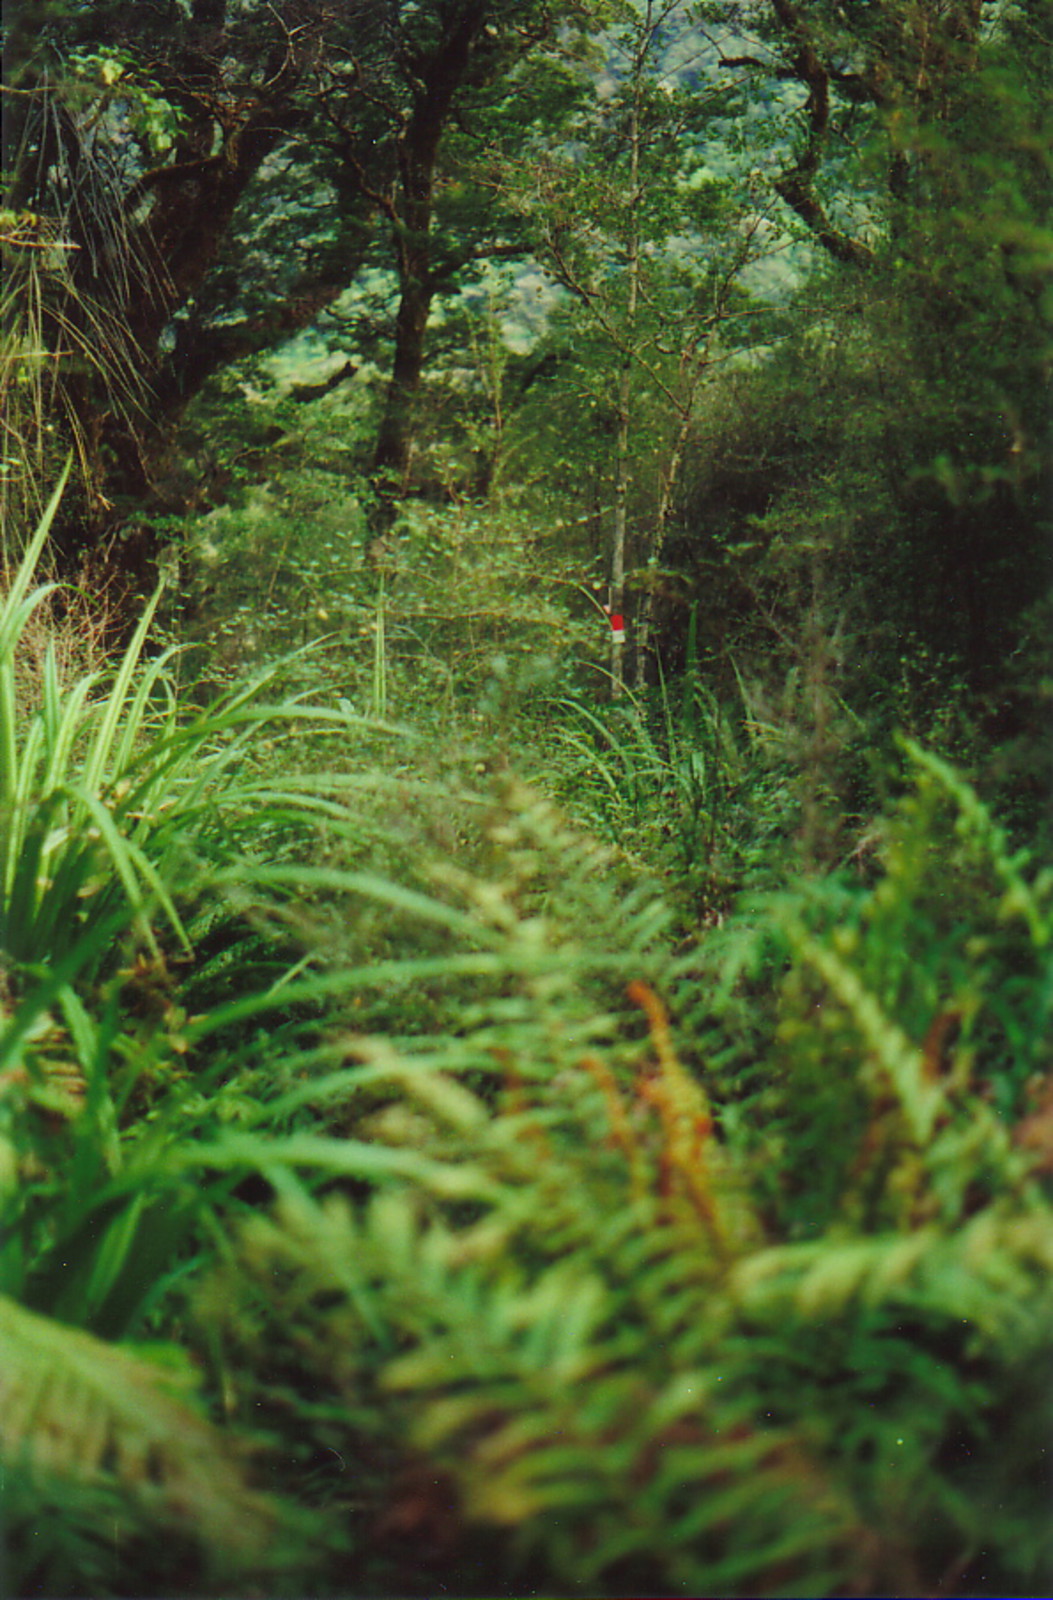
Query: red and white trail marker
[{"x": 617, "y": 628}]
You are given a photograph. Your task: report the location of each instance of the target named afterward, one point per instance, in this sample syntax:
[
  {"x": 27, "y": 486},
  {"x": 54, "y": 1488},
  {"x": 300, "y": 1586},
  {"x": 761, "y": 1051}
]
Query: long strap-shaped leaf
[
  {"x": 112, "y": 724},
  {"x": 15, "y": 611},
  {"x": 27, "y": 567}
]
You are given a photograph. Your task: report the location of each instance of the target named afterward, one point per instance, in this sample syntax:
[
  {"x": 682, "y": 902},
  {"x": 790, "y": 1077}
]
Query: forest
[{"x": 526, "y": 749}]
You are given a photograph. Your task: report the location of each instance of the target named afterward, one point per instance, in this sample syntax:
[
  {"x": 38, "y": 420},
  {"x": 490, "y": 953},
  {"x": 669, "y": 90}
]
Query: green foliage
[
  {"x": 662, "y": 781},
  {"x": 590, "y": 1262},
  {"x": 77, "y": 1409},
  {"x": 937, "y": 974},
  {"x": 102, "y": 785},
  {"x": 471, "y": 597},
  {"x": 627, "y": 1351},
  {"x": 694, "y": 791},
  {"x": 113, "y": 803},
  {"x": 57, "y": 831},
  {"x": 100, "y": 75},
  {"x": 531, "y": 1213},
  {"x": 874, "y": 494}
]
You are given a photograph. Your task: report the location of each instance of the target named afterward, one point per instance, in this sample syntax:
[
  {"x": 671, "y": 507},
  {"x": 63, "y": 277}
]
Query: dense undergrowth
[{"x": 417, "y": 1178}]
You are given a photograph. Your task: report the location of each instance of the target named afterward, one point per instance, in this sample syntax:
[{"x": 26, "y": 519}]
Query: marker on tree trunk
[{"x": 617, "y": 628}]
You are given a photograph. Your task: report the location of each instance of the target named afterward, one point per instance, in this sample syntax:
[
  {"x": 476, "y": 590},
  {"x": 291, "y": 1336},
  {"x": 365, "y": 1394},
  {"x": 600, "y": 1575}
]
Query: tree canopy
[
  {"x": 525, "y": 692},
  {"x": 816, "y": 234}
]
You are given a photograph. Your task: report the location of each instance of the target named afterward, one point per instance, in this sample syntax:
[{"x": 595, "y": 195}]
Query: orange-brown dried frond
[
  {"x": 622, "y": 1135},
  {"x": 939, "y": 1042},
  {"x": 674, "y": 1087},
  {"x": 687, "y": 1125},
  {"x": 641, "y": 994}
]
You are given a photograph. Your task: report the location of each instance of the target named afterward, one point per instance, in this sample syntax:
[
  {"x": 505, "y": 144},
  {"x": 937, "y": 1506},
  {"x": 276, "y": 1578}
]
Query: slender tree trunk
[
  {"x": 392, "y": 453},
  {"x": 625, "y": 377},
  {"x": 391, "y": 456},
  {"x": 621, "y": 495},
  {"x": 418, "y": 151},
  {"x": 694, "y": 361},
  {"x": 666, "y": 493}
]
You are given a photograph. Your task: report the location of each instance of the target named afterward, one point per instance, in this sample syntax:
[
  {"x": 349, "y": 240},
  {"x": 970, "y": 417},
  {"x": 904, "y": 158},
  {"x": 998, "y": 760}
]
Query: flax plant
[
  {"x": 77, "y": 797},
  {"x": 111, "y": 794},
  {"x": 117, "y": 805}
]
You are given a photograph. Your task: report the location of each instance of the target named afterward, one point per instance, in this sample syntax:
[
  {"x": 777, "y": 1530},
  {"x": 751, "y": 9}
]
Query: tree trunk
[
  {"x": 666, "y": 494},
  {"x": 194, "y": 203},
  {"x": 625, "y": 380},
  {"x": 438, "y": 79},
  {"x": 621, "y": 496},
  {"x": 392, "y": 454}
]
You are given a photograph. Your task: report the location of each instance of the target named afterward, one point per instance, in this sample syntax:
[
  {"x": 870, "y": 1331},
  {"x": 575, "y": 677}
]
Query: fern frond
[{"x": 75, "y": 1407}]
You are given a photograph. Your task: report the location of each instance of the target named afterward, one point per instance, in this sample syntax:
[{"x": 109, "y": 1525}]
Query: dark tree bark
[
  {"x": 436, "y": 79},
  {"x": 141, "y": 244},
  {"x": 189, "y": 218},
  {"x": 391, "y": 159},
  {"x": 797, "y": 185},
  {"x": 913, "y": 60}
]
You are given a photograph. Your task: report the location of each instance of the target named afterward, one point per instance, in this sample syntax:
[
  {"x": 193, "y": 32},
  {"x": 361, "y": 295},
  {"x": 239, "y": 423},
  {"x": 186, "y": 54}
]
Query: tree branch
[{"x": 797, "y": 186}]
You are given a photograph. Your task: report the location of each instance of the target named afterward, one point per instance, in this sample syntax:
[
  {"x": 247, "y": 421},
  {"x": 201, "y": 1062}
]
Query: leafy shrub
[
  {"x": 454, "y": 603},
  {"x": 610, "y": 1332}
]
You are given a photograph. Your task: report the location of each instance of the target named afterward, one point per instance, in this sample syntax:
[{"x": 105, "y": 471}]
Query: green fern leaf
[{"x": 74, "y": 1407}]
